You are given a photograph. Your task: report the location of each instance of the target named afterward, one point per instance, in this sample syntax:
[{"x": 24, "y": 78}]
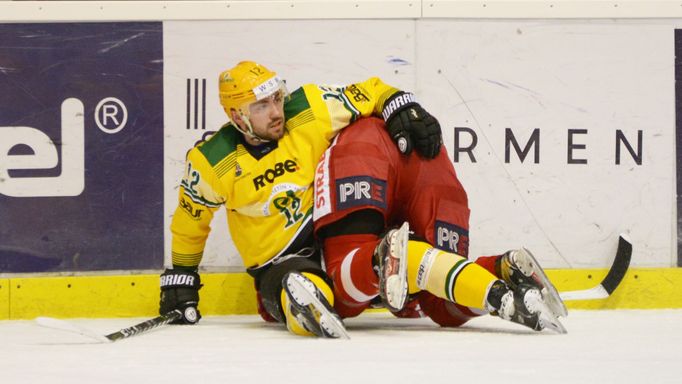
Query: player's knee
[
  {"x": 443, "y": 312},
  {"x": 269, "y": 283}
]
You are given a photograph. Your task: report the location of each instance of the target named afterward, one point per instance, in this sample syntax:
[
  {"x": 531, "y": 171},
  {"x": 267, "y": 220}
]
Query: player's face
[{"x": 267, "y": 117}]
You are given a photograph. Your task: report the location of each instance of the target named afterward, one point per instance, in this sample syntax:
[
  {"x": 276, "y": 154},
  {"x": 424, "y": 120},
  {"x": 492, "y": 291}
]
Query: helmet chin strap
[{"x": 250, "y": 133}]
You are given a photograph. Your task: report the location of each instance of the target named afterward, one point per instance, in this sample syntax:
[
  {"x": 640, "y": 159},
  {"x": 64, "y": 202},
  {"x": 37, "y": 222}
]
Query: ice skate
[
  {"x": 523, "y": 305},
  {"x": 519, "y": 267},
  {"x": 311, "y": 309},
  {"x": 390, "y": 263}
]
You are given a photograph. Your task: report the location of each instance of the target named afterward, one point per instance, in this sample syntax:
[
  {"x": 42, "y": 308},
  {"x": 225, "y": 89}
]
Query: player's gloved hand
[
  {"x": 411, "y": 126},
  {"x": 180, "y": 290}
]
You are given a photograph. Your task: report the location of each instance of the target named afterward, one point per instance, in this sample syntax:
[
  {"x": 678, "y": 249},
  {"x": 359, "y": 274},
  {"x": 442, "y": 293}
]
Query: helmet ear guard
[{"x": 245, "y": 84}]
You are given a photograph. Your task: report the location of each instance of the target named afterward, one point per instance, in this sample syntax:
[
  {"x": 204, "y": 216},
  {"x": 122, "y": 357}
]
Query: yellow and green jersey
[{"x": 268, "y": 196}]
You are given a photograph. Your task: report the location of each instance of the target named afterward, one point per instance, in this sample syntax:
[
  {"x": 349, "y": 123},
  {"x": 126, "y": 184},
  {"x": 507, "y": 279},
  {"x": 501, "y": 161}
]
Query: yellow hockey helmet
[{"x": 246, "y": 83}]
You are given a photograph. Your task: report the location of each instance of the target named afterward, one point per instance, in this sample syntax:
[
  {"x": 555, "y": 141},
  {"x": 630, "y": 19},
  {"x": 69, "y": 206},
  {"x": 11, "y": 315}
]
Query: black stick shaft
[{"x": 145, "y": 326}]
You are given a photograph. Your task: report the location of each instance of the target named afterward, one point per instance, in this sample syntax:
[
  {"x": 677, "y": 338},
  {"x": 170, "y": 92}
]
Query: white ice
[{"x": 623, "y": 346}]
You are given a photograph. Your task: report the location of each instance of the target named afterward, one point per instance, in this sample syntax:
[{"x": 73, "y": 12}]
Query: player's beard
[{"x": 275, "y": 129}]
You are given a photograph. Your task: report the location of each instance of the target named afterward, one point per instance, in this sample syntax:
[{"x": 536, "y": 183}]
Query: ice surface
[{"x": 600, "y": 347}]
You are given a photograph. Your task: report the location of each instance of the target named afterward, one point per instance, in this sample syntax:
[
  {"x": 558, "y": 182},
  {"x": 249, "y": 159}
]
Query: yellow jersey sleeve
[
  {"x": 336, "y": 107},
  {"x": 198, "y": 198}
]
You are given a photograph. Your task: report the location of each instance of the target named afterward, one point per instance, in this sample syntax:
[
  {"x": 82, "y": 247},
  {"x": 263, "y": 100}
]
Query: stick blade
[
  {"x": 620, "y": 264},
  {"x": 50, "y": 322},
  {"x": 613, "y": 278},
  {"x": 594, "y": 293}
]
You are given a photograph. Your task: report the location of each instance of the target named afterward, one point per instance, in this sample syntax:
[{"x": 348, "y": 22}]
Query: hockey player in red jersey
[{"x": 365, "y": 185}]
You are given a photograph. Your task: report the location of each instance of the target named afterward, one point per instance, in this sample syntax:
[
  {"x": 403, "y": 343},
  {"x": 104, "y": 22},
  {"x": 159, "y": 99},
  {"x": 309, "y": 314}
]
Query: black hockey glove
[
  {"x": 180, "y": 290},
  {"x": 411, "y": 126}
]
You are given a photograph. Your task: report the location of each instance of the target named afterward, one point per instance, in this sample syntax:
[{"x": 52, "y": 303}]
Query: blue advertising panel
[{"x": 81, "y": 146}]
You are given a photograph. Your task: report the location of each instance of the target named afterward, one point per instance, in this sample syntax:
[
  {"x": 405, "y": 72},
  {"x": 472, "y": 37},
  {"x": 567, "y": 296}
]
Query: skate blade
[
  {"x": 549, "y": 292},
  {"x": 334, "y": 326},
  {"x": 396, "y": 285},
  {"x": 548, "y": 320},
  {"x": 303, "y": 297}
]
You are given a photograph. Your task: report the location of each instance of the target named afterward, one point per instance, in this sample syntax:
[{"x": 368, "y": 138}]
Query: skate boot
[
  {"x": 310, "y": 308},
  {"x": 523, "y": 305},
  {"x": 519, "y": 267},
  {"x": 390, "y": 264}
]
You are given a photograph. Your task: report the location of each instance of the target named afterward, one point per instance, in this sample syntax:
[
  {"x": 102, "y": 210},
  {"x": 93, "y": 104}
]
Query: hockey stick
[
  {"x": 124, "y": 333},
  {"x": 613, "y": 278}
]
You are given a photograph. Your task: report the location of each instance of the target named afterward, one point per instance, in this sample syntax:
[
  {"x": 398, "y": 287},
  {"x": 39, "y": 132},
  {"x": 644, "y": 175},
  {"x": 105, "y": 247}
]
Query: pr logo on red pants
[
  {"x": 360, "y": 190},
  {"x": 452, "y": 238}
]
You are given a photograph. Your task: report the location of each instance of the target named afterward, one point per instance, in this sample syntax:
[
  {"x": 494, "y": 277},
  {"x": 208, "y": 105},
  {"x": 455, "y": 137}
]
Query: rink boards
[
  {"x": 560, "y": 150},
  {"x": 233, "y": 293}
]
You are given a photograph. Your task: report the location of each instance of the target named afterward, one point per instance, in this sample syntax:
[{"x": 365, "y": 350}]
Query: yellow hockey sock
[{"x": 447, "y": 275}]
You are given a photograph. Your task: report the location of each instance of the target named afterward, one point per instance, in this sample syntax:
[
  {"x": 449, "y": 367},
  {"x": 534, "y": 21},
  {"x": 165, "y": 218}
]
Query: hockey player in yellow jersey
[{"x": 261, "y": 166}]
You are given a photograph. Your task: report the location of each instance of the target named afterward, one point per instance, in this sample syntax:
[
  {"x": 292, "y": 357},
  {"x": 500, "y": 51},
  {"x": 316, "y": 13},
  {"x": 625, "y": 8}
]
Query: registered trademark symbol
[{"x": 111, "y": 115}]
